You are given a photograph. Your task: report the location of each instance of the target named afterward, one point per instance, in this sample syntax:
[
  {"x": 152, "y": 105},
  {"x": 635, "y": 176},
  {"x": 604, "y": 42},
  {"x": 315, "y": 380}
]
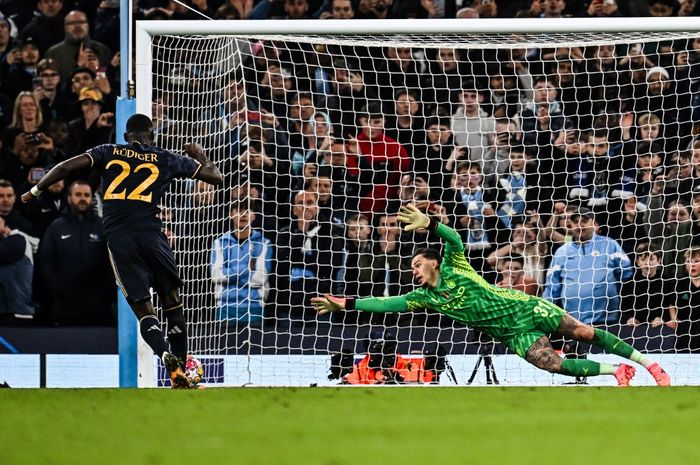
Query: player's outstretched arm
[
  {"x": 57, "y": 173},
  {"x": 208, "y": 172},
  {"x": 329, "y": 303},
  {"x": 415, "y": 219}
]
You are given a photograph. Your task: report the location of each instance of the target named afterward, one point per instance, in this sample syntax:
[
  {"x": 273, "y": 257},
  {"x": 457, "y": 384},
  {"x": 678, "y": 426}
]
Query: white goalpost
[{"x": 503, "y": 129}]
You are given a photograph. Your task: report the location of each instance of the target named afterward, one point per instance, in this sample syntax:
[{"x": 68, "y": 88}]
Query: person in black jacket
[
  {"x": 308, "y": 257},
  {"x": 75, "y": 266}
]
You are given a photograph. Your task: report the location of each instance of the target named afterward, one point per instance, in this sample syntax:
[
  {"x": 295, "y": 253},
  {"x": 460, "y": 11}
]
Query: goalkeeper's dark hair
[{"x": 430, "y": 254}]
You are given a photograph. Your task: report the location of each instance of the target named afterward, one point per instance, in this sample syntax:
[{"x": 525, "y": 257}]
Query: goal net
[{"x": 567, "y": 162}]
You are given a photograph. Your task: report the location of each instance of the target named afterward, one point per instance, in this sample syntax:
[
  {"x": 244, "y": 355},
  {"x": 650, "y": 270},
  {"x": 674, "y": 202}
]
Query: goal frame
[{"x": 135, "y": 352}]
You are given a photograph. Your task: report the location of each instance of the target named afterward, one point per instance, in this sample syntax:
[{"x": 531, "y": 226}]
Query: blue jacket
[
  {"x": 587, "y": 278},
  {"x": 240, "y": 273}
]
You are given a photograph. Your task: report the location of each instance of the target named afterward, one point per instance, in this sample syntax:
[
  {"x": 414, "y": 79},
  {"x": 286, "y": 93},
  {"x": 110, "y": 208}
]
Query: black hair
[
  {"x": 139, "y": 123},
  {"x": 430, "y": 254}
]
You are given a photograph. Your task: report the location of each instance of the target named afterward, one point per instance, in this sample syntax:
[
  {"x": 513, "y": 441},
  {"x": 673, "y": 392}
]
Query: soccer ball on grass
[{"x": 194, "y": 370}]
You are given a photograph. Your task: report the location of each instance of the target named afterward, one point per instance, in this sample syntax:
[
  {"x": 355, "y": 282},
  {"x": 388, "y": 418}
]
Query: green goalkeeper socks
[
  {"x": 584, "y": 367},
  {"x": 612, "y": 344}
]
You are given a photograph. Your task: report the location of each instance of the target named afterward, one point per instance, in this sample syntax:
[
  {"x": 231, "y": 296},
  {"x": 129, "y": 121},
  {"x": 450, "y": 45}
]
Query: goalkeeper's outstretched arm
[{"x": 414, "y": 219}]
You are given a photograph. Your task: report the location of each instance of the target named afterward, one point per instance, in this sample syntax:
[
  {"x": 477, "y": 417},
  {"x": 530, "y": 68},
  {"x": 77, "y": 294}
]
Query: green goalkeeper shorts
[{"x": 538, "y": 318}]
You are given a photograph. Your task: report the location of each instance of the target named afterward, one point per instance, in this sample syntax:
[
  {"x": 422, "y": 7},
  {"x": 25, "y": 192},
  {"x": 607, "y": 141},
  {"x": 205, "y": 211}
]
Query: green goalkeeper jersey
[{"x": 460, "y": 294}]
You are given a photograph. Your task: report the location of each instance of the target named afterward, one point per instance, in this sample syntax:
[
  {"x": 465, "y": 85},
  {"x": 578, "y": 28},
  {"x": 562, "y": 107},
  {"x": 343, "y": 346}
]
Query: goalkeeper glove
[
  {"x": 328, "y": 303},
  {"x": 413, "y": 218}
]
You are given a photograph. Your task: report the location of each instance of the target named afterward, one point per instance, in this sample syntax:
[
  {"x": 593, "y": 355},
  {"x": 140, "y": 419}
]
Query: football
[{"x": 194, "y": 370}]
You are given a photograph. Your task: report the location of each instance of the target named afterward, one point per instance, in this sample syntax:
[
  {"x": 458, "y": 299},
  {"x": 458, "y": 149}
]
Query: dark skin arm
[
  {"x": 208, "y": 172},
  {"x": 58, "y": 173}
]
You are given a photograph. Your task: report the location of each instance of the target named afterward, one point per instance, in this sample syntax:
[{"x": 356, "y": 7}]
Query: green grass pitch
[{"x": 358, "y": 426}]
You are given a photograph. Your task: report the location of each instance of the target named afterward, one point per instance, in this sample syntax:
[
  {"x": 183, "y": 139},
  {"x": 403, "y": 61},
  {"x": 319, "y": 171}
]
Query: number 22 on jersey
[{"x": 137, "y": 193}]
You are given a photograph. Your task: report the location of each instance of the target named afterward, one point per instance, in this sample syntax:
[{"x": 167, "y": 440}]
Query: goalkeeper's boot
[
  {"x": 178, "y": 378},
  {"x": 660, "y": 376},
  {"x": 624, "y": 374}
]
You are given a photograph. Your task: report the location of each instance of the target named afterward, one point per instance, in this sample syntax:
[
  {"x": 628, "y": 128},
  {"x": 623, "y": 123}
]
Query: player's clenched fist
[
  {"x": 327, "y": 304},
  {"x": 413, "y": 218}
]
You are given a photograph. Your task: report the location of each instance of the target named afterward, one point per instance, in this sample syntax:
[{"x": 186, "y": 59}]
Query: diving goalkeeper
[{"x": 523, "y": 323}]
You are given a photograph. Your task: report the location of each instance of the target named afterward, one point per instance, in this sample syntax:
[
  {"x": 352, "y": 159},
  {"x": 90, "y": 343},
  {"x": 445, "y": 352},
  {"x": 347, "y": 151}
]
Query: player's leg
[
  {"x": 133, "y": 278},
  {"x": 177, "y": 327},
  {"x": 543, "y": 356},
  {"x": 570, "y": 327},
  {"x": 149, "y": 326}
]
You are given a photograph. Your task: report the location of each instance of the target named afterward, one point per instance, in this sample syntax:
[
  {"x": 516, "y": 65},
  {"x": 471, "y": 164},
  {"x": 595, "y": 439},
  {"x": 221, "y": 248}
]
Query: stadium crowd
[{"x": 572, "y": 173}]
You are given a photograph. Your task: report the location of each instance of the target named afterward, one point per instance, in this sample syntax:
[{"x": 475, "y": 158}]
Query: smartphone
[
  {"x": 37, "y": 82},
  {"x": 35, "y": 174}
]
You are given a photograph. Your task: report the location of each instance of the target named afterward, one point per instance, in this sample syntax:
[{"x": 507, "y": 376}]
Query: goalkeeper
[{"x": 521, "y": 322}]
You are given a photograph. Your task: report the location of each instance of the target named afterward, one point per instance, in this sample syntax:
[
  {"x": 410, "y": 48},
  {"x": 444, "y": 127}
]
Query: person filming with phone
[{"x": 94, "y": 127}]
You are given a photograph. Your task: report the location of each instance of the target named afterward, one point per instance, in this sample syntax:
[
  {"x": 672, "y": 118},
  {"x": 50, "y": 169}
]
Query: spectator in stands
[
  {"x": 670, "y": 226},
  {"x": 441, "y": 81},
  {"x": 307, "y": 257},
  {"x": 660, "y": 97},
  {"x": 476, "y": 213},
  {"x": 331, "y": 206},
  {"x": 661, "y": 8},
  {"x": 57, "y": 130},
  {"x": 543, "y": 9},
  {"x": 340, "y": 9},
  {"x": 430, "y": 158},
  {"x": 381, "y": 161},
  {"x": 95, "y": 127},
  {"x": 16, "y": 269},
  {"x": 603, "y": 78},
  {"x": 26, "y": 118},
  {"x": 74, "y": 264},
  {"x": 527, "y": 242},
  {"x": 398, "y": 276},
  {"x": 106, "y": 24},
  {"x": 602, "y": 9},
  {"x": 645, "y": 296},
  {"x": 318, "y": 136},
  {"x": 593, "y": 177},
  {"x": 520, "y": 189},
  {"x": 6, "y": 45},
  {"x": 473, "y": 128},
  {"x": 345, "y": 182},
  {"x": 30, "y": 152},
  {"x": 47, "y": 26},
  {"x": 408, "y": 125},
  {"x": 513, "y": 277},
  {"x": 347, "y": 98},
  {"x": 105, "y": 73},
  {"x": 646, "y": 131},
  {"x": 241, "y": 263},
  {"x": 301, "y": 108},
  {"x": 48, "y": 92},
  {"x": 586, "y": 274},
  {"x": 12, "y": 217},
  {"x": 626, "y": 225},
  {"x": 373, "y": 9},
  {"x": 395, "y": 71},
  {"x": 542, "y": 119},
  {"x": 21, "y": 74},
  {"x": 267, "y": 172},
  {"x": 507, "y": 133},
  {"x": 47, "y": 208},
  {"x": 362, "y": 271},
  {"x": 76, "y": 39},
  {"x": 685, "y": 302},
  {"x": 275, "y": 88}
]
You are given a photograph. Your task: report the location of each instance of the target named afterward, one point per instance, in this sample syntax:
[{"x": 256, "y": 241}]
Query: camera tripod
[{"x": 485, "y": 350}]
